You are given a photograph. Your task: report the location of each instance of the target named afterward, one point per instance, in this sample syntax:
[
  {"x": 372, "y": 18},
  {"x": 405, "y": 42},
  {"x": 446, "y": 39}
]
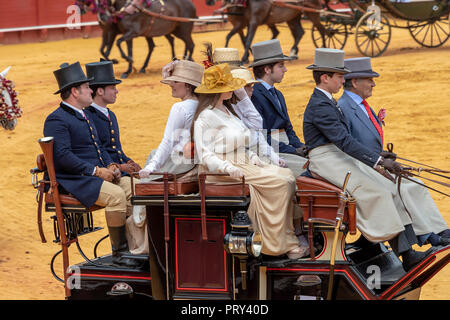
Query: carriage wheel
[
  {"x": 335, "y": 38},
  {"x": 372, "y": 38},
  {"x": 431, "y": 33}
]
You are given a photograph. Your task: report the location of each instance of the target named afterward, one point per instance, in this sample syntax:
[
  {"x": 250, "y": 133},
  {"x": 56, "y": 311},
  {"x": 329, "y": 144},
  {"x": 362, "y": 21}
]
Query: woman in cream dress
[{"x": 221, "y": 139}]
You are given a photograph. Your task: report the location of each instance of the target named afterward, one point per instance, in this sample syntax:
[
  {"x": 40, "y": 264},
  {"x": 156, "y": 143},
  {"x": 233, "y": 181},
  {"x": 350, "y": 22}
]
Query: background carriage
[{"x": 426, "y": 20}]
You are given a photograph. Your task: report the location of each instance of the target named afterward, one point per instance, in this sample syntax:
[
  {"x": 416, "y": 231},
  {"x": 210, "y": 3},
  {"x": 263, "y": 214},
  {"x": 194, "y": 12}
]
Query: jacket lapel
[
  {"x": 362, "y": 117},
  {"x": 270, "y": 97},
  {"x": 98, "y": 113},
  {"x": 72, "y": 112}
]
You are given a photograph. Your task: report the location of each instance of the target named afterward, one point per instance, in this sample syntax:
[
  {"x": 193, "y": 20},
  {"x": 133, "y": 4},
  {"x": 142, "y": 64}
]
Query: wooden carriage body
[{"x": 189, "y": 224}]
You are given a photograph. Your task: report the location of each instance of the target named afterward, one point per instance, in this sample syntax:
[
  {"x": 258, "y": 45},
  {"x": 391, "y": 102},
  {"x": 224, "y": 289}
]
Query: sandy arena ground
[{"x": 413, "y": 87}]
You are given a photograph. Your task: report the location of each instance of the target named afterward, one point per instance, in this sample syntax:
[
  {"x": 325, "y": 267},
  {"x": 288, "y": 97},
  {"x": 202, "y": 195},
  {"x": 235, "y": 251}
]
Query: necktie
[
  {"x": 372, "y": 118},
  {"x": 272, "y": 91}
]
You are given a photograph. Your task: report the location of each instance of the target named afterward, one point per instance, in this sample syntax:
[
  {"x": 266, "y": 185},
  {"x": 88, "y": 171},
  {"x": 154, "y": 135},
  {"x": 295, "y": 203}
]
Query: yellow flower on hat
[{"x": 218, "y": 79}]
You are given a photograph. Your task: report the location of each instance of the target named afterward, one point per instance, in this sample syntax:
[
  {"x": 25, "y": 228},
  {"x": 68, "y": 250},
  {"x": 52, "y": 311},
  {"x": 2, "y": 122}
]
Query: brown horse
[
  {"x": 259, "y": 12},
  {"x": 114, "y": 22},
  {"x": 142, "y": 24}
]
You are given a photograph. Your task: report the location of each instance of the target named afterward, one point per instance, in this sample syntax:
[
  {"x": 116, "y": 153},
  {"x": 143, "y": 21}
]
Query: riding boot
[{"x": 119, "y": 246}]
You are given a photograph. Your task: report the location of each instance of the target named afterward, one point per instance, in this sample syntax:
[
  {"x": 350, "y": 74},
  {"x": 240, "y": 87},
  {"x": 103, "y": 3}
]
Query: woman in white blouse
[{"x": 221, "y": 140}]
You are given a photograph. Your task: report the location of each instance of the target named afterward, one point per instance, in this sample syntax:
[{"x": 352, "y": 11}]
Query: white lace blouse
[{"x": 177, "y": 131}]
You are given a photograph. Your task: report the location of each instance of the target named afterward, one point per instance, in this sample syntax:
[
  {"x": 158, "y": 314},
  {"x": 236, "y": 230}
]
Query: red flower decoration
[{"x": 382, "y": 115}]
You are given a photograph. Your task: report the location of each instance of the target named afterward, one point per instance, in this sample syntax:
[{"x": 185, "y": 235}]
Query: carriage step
[{"x": 386, "y": 264}]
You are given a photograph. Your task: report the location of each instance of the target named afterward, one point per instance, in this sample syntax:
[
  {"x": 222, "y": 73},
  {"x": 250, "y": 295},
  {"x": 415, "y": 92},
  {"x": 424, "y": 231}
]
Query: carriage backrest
[{"x": 40, "y": 162}]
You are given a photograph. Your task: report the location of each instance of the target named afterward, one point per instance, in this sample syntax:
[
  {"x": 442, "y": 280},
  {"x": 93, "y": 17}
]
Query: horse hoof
[
  {"x": 293, "y": 57},
  {"x": 142, "y": 71},
  {"x": 124, "y": 75},
  {"x": 115, "y": 61}
]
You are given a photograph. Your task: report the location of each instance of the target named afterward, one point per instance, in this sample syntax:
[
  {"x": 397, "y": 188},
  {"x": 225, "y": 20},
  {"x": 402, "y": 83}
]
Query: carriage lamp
[{"x": 241, "y": 240}]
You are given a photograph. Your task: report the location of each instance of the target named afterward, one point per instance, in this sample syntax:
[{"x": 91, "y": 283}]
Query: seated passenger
[
  {"x": 221, "y": 139},
  {"x": 333, "y": 152},
  {"x": 183, "y": 77},
  {"x": 83, "y": 168},
  {"x": 269, "y": 68},
  {"x": 246, "y": 110},
  {"x": 104, "y": 92},
  {"x": 427, "y": 221}
]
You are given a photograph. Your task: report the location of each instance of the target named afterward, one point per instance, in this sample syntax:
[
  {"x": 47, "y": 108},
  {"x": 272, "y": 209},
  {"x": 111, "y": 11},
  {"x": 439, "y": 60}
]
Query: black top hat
[
  {"x": 102, "y": 72},
  {"x": 70, "y": 76}
]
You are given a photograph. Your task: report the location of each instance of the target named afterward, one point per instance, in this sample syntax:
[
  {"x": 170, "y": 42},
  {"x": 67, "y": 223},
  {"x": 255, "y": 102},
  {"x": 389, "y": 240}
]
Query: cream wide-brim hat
[
  {"x": 244, "y": 74},
  {"x": 186, "y": 71},
  {"x": 227, "y": 55},
  {"x": 219, "y": 79}
]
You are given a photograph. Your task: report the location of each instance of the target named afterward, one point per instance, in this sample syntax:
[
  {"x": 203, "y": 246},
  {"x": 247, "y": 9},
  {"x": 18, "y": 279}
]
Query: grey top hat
[
  {"x": 330, "y": 60},
  {"x": 266, "y": 52},
  {"x": 70, "y": 76},
  {"x": 102, "y": 73},
  {"x": 359, "y": 68}
]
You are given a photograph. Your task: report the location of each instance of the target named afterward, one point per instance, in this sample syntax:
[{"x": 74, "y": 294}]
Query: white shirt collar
[
  {"x": 76, "y": 109},
  {"x": 265, "y": 84},
  {"x": 103, "y": 110},
  {"x": 326, "y": 93}
]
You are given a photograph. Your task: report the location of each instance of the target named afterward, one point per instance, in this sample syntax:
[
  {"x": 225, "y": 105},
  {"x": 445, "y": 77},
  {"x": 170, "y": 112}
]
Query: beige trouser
[{"x": 116, "y": 200}]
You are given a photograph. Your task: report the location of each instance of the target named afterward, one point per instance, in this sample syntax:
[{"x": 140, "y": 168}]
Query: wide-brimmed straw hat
[
  {"x": 245, "y": 74},
  {"x": 329, "y": 60},
  {"x": 218, "y": 79},
  {"x": 359, "y": 68},
  {"x": 185, "y": 71},
  {"x": 227, "y": 55},
  {"x": 266, "y": 52}
]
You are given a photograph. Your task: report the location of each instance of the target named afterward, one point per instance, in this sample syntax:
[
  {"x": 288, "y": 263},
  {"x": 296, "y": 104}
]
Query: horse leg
[
  {"x": 274, "y": 30},
  {"x": 248, "y": 41},
  {"x": 185, "y": 35},
  {"x": 297, "y": 32},
  {"x": 129, "y": 58},
  {"x": 236, "y": 28},
  {"x": 151, "y": 46},
  {"x": 172, "y": 44}
]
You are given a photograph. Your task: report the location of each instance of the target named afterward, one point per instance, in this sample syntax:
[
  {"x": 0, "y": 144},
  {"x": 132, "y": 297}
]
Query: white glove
[
  {"x": 168, "y": 69},
  {"x": 234, "y": 172},
  {"x": 240, "y": 93},
  {"x": 145, "y": 173},
  {"x": 255, "y": 160},
  {"x": 282, "y": 163}
]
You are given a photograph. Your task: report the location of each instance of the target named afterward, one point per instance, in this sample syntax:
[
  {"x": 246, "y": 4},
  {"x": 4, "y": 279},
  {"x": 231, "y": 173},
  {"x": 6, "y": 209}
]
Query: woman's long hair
[{"x": 209, "y": 99}]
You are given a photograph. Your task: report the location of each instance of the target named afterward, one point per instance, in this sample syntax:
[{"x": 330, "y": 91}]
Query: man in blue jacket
[
  {"x": 269, "y": 69},
  {"x": 83, "y": 168},
  {"x": 333, "y": 152},
  {"x": 366, "y": 127},
  {"x": 104, "y": 93}
]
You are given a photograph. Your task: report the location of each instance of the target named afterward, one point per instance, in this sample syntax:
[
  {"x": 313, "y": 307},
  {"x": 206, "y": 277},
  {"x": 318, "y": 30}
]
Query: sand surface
[{"x": 413, "y": 87}]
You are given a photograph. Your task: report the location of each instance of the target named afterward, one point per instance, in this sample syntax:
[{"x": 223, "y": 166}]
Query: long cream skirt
[{"x": 272, "y": 202}]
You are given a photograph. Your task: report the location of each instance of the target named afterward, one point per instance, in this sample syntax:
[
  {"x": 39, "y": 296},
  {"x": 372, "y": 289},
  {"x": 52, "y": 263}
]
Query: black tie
[{"x": 272, "y": 91}]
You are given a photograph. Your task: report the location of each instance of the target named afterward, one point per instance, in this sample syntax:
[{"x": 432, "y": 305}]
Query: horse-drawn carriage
[
  {"x": 426, "y": 20},
  {"x": 202, "y": 246}
]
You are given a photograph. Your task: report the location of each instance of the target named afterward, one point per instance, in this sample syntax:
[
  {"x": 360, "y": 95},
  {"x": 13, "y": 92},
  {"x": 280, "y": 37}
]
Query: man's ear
[
  {"x": 75, "y": 91},
  {"x": 324, "y": 78}
]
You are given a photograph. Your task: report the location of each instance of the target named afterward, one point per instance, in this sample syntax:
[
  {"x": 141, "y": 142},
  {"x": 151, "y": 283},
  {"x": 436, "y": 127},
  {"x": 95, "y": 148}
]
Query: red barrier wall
[{"x": 28, "y": 13}]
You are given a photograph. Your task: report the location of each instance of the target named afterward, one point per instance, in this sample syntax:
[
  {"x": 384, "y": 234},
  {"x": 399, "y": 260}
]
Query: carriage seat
[
  {"x": 319, "y": 201},
  {"x": 156, "y": 188},
  {"x": 67, "y": 200}
]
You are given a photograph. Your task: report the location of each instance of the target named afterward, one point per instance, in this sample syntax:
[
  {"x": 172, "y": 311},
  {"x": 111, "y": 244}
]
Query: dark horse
[
  {"x": 140, "y": 24},
  {"x": 259, "y": 12}
]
